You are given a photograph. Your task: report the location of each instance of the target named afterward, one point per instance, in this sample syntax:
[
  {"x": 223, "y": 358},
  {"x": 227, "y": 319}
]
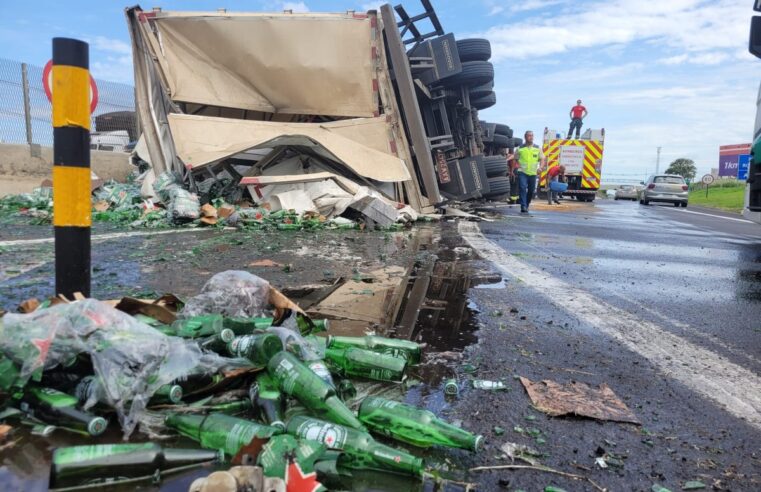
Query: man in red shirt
[
  {"x": 554, "y": 174},
  {"x": 578, "y": 113}
]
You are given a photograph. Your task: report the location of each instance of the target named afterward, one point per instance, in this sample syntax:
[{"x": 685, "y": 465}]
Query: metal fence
[{"x": 26, "y": 113}]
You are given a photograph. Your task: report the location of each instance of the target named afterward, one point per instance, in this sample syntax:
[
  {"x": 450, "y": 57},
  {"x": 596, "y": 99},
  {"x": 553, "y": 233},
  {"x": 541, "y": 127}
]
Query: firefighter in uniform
[{"x": 529, "y": 161}]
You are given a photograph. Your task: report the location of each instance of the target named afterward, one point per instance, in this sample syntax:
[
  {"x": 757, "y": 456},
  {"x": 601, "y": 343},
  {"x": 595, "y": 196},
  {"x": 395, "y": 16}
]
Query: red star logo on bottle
[
  {"x": 297, "y": 481},
  {"x": 43, "y": 345}
]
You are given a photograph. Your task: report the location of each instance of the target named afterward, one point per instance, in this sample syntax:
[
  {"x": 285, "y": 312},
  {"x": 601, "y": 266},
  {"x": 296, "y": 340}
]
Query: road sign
[
  {"x": 707, "y": 179},
  {"x": 572, "y": 157},
  {"x": 47, "y": 84},
  {"x": 743, "y": 163}
]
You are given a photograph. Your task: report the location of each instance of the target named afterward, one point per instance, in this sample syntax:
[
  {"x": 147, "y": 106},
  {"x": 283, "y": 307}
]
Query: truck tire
[
  {"x": 499, "y": 186},
  {"x": 516, "y": 142},
  {"x": 473, "y": 73},
  {"x": 495, "y": 165},
  {"x": 504, "y": 130},
  {"x": 500, "y": 141},
  {"x": 481, "y": 90},
  {"x": 474, "y": 49},
  {"x": 484, "y": 102}
]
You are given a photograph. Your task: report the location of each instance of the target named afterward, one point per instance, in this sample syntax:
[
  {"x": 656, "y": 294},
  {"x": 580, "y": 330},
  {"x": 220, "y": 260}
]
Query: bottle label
[
  {"x": 331, "y": 435},
  {"x": 239, "y": 346},
  {"x": 319, "y": 368},
  {"x": 241, "y": 434},
  {"x": 287, "y": 374},
  {"x": 56, "y": 398},
  {"x": 382, "y": 374},
  {"x": 80, "y": 454},
  {"x": 488, "y": 385},
  {"x": 386, "y": 456}
]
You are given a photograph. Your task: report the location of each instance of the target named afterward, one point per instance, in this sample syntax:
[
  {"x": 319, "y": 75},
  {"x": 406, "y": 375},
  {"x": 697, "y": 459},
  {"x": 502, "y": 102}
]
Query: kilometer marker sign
[{"x": 47, "y": 84}]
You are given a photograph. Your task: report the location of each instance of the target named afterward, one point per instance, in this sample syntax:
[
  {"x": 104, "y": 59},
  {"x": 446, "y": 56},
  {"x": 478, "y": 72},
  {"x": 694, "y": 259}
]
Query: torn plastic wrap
[
  {"x": 181, "y": 205},
  {"x": 130, "y": 358},
  {"x": 232, "y": 293}
]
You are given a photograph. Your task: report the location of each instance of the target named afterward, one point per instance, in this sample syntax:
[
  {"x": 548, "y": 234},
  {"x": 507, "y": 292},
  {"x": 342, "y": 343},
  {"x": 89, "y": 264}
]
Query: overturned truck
[{"x": 324, "y": 110}]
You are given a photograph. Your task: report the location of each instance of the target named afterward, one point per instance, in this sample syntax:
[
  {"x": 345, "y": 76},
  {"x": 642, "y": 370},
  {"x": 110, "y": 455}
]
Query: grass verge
[{"x": 730, "y": 199}]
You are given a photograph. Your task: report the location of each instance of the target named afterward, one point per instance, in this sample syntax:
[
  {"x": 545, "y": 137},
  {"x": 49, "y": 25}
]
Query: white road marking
[
  {"x": 729, "y": 385},
  {"x": 103, "y": 237},
  {"x": 707, "y": 215}
]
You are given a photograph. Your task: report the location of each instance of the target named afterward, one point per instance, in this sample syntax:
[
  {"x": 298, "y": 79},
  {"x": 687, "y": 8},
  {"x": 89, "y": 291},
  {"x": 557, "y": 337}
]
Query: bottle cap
[
  {"x": 175, "y": 394},
  {"x": 226, "y": 335},
  {"x": 96, "y": 426},
  {"x": 279, "y": 424}
]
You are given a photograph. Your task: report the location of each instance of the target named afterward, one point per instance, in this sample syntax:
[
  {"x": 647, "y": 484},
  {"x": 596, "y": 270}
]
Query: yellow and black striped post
[{"x": 71, "y": 165}]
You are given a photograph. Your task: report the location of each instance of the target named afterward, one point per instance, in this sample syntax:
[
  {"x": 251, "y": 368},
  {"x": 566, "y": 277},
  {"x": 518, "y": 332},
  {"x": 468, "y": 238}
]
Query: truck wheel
[
  {"x": 499, "y": 186},
  {"x": 500, "y": 141},
  {"x": 503, "y": 130},
  {"x": 517, "y": 142},
  {"x": 495, "y": 165},
  {"x": 473, "y": 73},
  {"x": 645, "y": 202},
  {"x": 485, "y": 102},
  {"x": 676, "y": 204},
  {"x": 481, "y": 91},
  {"x": 684, "y": 204},
  {"x": 474, "y": 49}
]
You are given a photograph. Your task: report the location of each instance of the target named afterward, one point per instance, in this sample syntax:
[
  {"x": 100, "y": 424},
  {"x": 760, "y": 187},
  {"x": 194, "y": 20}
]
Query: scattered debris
[
  {"x": 578, "y": 399},
  {"x": 489, "y": 385}
]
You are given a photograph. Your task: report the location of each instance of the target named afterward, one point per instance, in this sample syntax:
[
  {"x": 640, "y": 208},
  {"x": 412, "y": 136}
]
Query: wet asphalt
[{"x": 695, "y": 273}]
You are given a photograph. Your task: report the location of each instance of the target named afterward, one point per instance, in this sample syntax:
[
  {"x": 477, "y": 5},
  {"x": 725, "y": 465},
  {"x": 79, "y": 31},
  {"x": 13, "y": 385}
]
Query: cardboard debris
[
  {"x": 29, "y": 305},
  {"x": 225, "y": 211},
  {"x": 363, "y": 301},
  {"x": 163, "y": 309},
  {"x": 101, "y": 205},
  {"x": 578, "y": 399},
  {"x": 208, "y": 214},
  {"x": 264, "y": 263}
]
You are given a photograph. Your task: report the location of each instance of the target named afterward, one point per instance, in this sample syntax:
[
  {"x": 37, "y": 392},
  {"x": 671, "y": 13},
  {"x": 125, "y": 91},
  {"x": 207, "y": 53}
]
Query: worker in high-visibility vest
[{"x": 529, "y": 160}]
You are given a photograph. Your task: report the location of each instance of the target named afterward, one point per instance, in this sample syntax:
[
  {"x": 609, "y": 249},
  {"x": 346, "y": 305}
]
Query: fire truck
[{"x": 582, "y": 159}]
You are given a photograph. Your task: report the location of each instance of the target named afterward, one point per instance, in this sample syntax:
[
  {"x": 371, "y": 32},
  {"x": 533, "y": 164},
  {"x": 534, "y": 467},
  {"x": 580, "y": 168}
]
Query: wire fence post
[{"x": 27, "y": 106}]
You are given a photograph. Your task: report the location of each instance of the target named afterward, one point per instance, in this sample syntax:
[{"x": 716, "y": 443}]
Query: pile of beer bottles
[{"x": 293, "y": 403}]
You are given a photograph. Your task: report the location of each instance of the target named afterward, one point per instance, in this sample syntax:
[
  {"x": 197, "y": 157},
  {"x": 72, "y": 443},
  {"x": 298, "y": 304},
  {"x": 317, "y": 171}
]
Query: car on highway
[
  {"x": 626, "y": 192},
  {"x": 669, "y": 188}
]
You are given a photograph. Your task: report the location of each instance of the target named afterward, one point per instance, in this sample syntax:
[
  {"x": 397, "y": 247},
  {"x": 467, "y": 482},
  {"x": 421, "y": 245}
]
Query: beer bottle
[
  {"x": 76, "y": 465},
  {"x": 218, "y": 342},
  {"x": 346, "y": 390},
  {"x": 390, "y": 346},
  {"x": 204, "y": 325},
  {"x": 414, "y": 425},
  {"x": 274, "y": 456},
  {"x": 199, "y": 382},
  {"x": 235, "y": 407},
  {"x": 247, "y": 326},
  {"x": 219, "y": 431},
  {"x": 9, "y": 373},
  {"x": 90, "y": 388},
  {"x": 363, "y": 363},
  {"x": 297, "y": 380},
  {"x": 258, "y": 348},
  {"x": 321, "y": 369},
  {"x": 360, "y": 448},
  {"x": 54, "y": 407},
  {"x": 267, "y": 399}
]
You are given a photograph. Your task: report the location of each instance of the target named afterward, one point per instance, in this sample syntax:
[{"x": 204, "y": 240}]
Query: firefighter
[
  {"x": 529, "y": 160},
  {"x": 577, "y": 114}
]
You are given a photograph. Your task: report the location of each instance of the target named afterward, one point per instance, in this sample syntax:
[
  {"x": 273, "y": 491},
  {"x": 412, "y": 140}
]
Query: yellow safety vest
[{"x": 528, "y": 160}]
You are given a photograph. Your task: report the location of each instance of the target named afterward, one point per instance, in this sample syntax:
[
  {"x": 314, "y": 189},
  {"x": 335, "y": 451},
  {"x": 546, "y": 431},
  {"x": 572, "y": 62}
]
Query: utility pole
[{"x": 658, "y": 161}]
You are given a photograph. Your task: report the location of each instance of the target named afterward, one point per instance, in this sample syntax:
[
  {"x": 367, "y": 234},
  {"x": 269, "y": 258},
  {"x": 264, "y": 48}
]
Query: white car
[{"x": 115, "y": 141}]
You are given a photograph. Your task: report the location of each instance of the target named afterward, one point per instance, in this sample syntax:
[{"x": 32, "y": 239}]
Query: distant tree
[{"x": 683, "y": 167}]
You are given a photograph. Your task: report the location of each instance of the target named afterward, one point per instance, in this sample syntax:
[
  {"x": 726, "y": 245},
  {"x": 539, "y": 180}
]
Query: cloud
[
  {"x": 110, "y": 45},
  {"x": 295, "y": 6},
  {"x": 696, "y": 59},
  {"x": 527, "y": 5},
  {"x": 689, "y": 25},
  {"x": 496, "y": 9}
]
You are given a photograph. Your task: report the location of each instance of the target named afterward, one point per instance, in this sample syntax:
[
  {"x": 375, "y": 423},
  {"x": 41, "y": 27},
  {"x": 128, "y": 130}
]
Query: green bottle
[
  {"x": 89, "y": 386},
  {"x": 9, "y": 373},
  {"x": 54, "y": 407},
  {"x": 268, "y": 400},
  {"x": 205, "y": 325},
  {"x": 194, "y": 384},
  {"x": 274, "y": 456},
  {"x": 363, "y": 363},
  {"x": 346, "y": 390},
  {"x": 247, "y": 326},
  {"x": 361, "y": 449},
  {"x": 236, "y": 407},
  {"x": 390, "y": 346},
  {"x": 414, "y": 425},
  {"x": 321, "y": 369},
  {"x": 218, "y": 342},
  {"x": 77, "y": 465},
  {"x": 259, "y": 348},
  {"x": 297, "y": 380},
  {"x": 289, "y": 227},
  {"x": 219, "y": 431}
]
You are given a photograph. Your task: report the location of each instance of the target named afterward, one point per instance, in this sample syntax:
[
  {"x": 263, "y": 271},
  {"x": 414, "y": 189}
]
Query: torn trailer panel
[{"x": 312, "y": 69}]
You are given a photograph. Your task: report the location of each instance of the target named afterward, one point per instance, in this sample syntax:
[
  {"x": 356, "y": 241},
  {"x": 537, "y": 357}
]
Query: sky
[{"x": 674, "y": 74}]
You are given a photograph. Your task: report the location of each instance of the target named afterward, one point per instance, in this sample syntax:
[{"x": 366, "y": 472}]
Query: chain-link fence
[{"x": 26, "y": 113}]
